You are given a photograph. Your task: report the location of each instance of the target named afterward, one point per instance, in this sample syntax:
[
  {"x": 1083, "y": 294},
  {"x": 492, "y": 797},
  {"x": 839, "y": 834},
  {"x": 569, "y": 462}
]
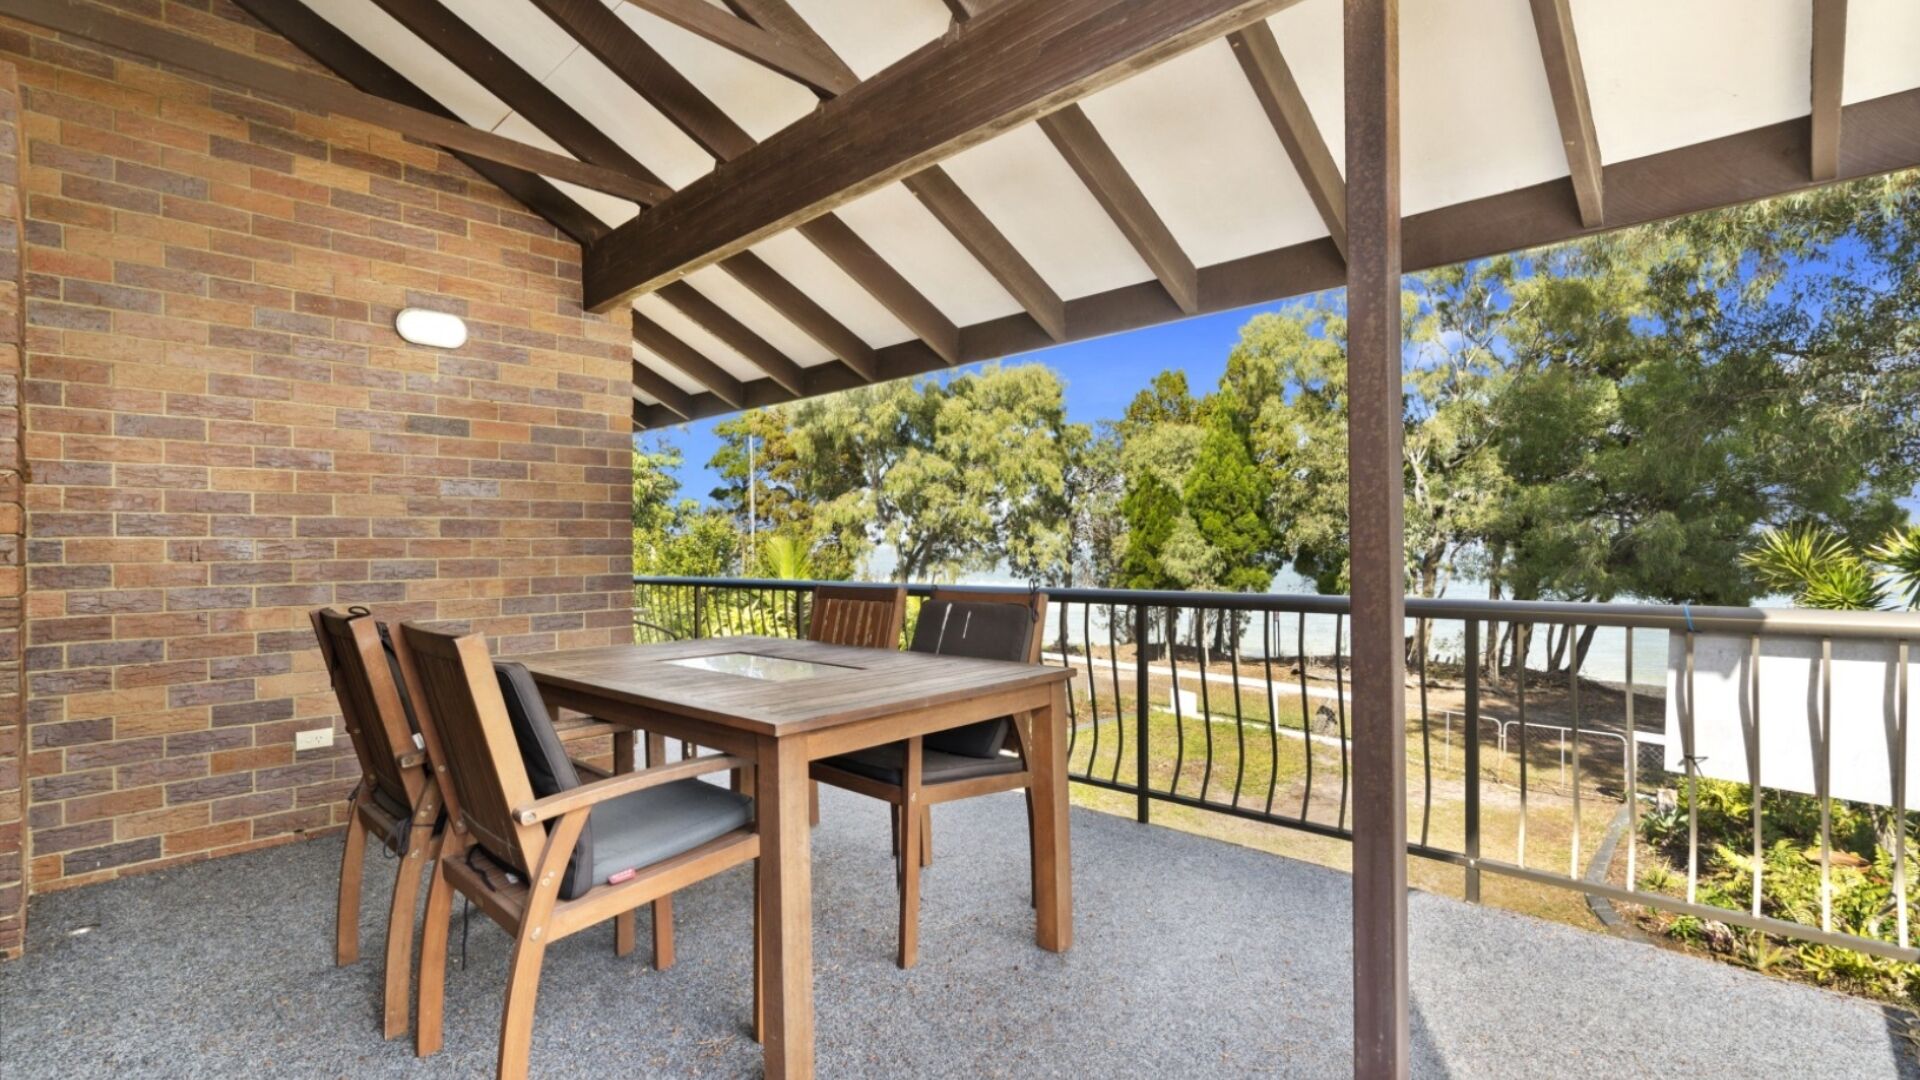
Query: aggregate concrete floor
[{"x": 1192, "y": 958}]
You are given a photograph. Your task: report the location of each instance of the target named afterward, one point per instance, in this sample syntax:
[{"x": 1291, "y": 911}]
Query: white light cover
[{"x": 432, "y": 328}]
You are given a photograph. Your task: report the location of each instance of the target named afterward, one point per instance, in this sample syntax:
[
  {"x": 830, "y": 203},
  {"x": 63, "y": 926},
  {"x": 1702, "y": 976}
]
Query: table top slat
[{"x": 877, "y": 682}]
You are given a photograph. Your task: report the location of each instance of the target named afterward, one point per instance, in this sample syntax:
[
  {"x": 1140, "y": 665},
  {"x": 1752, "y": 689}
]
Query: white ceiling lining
[
  {"x": 1192, "y": 135},
  {"x": 906, "y": 234},
  {"x": 755, "y": 97},
  {"x": 1663, "y": 75},
  {"x": 1476, "y": 110},
  {"x": 690, "y": 333},
  {"x": 808, "y": 269},
  {"x": 756, "y": 315},
  {"x": 674, "y": 375},
  {"x": 1033, "y": 196},
  {"x": 1883, "y": 49},
  {"x": 867, "y": 40}
]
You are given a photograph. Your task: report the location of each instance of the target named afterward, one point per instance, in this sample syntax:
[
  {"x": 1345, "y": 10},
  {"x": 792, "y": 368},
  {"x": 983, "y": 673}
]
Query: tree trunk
[
  {"x": 1586, "y": 643},
  {"x": 1557, "y": 647}
]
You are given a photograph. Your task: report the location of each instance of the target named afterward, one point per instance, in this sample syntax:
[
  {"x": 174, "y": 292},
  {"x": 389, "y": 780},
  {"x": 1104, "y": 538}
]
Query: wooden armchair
[
  {"x": 868, "y": 616},
  {"x": 539, "y": 852},
  {"x": 396, "y": 800},
  {"x": 974, "y": 759}
]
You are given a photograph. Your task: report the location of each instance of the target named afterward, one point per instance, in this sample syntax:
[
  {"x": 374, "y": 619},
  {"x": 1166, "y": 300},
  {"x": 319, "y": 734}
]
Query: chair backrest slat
[
  {"x": 369, "y": 701},
  {"x": 470, "y": 741},
  {"x": 869, "y": 616}
]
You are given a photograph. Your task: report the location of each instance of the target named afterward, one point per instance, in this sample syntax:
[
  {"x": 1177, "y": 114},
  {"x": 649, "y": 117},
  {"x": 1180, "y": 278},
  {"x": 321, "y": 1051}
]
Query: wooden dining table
[{"x": 784, "y": 704}]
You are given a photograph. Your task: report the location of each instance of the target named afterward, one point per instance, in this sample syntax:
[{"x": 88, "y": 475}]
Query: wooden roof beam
[
  {"x": 778, "y": 18},
  {"x": 1031, "y": 57},
  {"x": 837, "y": 240},
  {"x": 1273, "y": 83},
  {"x": 937, "y": 191},
  {"x": 614, "y": 42},
  {"x": 659, "y": 341},
  {"x": 1074, "y": 135},
  {"x": 969, "y": 225},
  {"x": 1099, "y": 169},
  {"x": 318, "y": 93},
  {"x": 661, "y": 389},
  {"x": 1567, "y": 81},
  {"x": 735, "y": 334},
  {"x": 799, "y": 309},
  {"x": 611, "y": 41},
  {"x": 1762, "y": 163},
  {"x": 1829, "y": 79},
  {"x": 471, "y": 52},
  {"x": 347, "y": 58},
  {"x": 743, "y": 38}
]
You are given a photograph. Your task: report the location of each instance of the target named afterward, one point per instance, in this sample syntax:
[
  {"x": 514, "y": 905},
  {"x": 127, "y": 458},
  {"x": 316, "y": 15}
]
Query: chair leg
[
  {"x": 911, "y": 825},
  {"x": 433, "y": 963},
  {"x": 1033, "y": 855},
  {"x": 893, "y": 819},
  {"x": 516, "y": 1020},
  {"x": 346, "y": 920},
  {"x": 926, "y": 836},
  {"x": 663, "y": 933},
  {"x": 813, "y": 802},
  {"x": 759, "y": 964},
  {"x": 623, "y": 933},
  {"x": 656, "y": 747},
  {"x": 406, "y": 891}
]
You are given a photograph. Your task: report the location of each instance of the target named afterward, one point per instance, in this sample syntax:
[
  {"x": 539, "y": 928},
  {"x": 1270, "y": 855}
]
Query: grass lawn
[{"x": 1256, "y": 767}]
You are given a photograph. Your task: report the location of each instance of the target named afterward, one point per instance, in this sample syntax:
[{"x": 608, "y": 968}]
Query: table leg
[
  {"x": 1053, "y": 876},
  {"x": 623, "y": 763},
  {"x": 786, "y": 898}
]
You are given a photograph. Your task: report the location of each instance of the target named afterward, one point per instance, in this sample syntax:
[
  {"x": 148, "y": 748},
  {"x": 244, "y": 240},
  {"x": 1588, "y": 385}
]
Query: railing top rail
[{"x": 1790, "y": 622}]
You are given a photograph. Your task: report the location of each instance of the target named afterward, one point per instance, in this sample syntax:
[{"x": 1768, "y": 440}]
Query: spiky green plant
[
  {"x": 1818, "y": 568},
  {"x": 1899, "y": 553}
]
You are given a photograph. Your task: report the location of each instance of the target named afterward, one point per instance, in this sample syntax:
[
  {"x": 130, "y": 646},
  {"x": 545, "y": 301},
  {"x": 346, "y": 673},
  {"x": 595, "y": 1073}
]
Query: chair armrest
[{"x": 619, "y": 784}]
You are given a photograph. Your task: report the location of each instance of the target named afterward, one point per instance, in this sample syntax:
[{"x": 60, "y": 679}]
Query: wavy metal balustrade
[{"x": 1245, "y": 715}]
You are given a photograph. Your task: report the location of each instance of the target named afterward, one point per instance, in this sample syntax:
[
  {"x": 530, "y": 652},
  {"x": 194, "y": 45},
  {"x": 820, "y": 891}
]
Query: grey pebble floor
[{"x": 1192, "y": 958}]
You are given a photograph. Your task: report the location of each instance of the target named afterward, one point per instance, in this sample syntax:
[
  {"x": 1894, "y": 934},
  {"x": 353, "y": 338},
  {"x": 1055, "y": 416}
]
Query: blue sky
[{"x": 1102, "y": 375}]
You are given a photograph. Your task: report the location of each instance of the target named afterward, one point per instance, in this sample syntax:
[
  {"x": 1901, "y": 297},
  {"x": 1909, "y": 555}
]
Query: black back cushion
[
  {"x": 399, "y": 683},
  {"x": 981, "y": 631},
  {"x": 549, "y": 770}
]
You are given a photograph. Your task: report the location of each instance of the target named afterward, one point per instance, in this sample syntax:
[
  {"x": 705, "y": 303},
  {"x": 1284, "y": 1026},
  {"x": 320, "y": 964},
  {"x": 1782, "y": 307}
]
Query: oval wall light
[{"x": 436, "y": 329}]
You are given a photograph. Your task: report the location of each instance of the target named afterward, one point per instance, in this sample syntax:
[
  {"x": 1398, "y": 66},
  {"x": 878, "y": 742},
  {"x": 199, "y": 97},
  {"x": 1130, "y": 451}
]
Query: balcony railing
[{"x": 1536, "y": 732}]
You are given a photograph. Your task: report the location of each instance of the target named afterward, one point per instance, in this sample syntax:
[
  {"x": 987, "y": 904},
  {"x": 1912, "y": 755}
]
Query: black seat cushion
[
  {"x": 632, "y": 831},
  {"x": 888, "y": 764},
  {"x": 979, "y": 631}
]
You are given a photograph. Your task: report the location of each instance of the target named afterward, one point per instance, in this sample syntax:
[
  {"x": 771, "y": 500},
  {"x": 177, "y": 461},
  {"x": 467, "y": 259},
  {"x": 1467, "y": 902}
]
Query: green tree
[
  {"x": 1151, "y": 509},
  {"x": 1225, "y": 499},
  {"x": 953, "y": 476}
]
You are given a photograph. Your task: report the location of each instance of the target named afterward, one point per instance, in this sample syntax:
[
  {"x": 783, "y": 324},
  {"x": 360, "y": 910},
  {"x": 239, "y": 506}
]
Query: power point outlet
[{"x": 317, "y": 739}]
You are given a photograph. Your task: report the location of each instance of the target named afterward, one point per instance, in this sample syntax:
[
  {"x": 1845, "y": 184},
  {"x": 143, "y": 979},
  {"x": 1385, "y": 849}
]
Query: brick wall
[
  {"x": 223, "y": 431},
  {"x": 13, "y": 870}
]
